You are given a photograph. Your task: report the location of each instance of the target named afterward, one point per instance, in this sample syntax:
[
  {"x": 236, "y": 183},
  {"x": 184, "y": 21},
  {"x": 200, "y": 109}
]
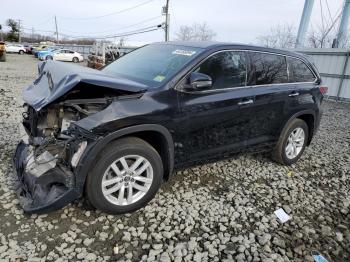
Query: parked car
[
  {"x": 15, "y": 48},
  {"x": 47, "y": 52},
  {"x": 28, "y": 49},
  {"x": 66, "y": 55},
  {"x": 39, "y": 48},
  {"x": 114, "y": 135}
]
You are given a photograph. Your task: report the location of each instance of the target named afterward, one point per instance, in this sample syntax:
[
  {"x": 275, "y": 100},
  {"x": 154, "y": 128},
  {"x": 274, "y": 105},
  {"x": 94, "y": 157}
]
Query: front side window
[
  {"x": 298, "y": 71},
  {"x": 267, "y": 69},
  {"x": 226, "y": 69}
]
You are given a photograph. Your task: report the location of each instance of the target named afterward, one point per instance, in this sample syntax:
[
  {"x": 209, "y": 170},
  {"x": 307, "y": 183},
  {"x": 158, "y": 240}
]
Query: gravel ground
[{"x": 209, "y": 213}]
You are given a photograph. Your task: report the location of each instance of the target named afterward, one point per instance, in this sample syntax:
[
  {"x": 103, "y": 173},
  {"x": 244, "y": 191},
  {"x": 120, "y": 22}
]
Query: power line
[
  {"x": 154, "y": 28},
  {"x": 329, "y": 12},
  {"x": 138, "y": 31},
  {"x": 110, "y": 14},
  {"x": 121, "y": 28}
]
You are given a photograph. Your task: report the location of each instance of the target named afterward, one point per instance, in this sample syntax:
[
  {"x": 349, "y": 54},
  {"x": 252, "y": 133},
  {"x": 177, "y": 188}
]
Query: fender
[
  {"x": 87, "y": 160},
  {"x": 296, "y": 115}
]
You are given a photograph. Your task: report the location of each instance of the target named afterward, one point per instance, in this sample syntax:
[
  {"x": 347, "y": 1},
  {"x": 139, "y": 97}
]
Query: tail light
[{"x": 323, "y": 89}]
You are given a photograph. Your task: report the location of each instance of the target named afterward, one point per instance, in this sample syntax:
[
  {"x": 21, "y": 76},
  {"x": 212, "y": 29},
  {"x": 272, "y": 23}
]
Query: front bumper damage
[{"x": 43, "y": 187}]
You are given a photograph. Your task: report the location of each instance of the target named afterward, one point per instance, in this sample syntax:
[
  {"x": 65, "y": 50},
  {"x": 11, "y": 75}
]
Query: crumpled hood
[{"x": 57, "y": 78}]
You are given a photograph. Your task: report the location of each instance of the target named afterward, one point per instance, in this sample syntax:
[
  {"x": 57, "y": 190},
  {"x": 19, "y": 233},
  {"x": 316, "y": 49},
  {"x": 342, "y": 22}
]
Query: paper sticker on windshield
[
  {"x": 183, "y": 52},
  {"x": 159, "y": 78}
]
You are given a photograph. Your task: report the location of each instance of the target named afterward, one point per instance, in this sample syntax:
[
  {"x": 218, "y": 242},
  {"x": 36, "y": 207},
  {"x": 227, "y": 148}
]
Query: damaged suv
[{"x": 113, "y": 135}]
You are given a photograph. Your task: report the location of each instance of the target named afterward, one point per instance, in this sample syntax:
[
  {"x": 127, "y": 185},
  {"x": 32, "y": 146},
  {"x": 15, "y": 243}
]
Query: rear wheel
[
  {"x": 292, "y": 142},
  {"x": 48, "y": 57},
  {"x": 75, "y": 59},
  {"x": 21, "y": 52},
  {"x": 127, "y": 175}
]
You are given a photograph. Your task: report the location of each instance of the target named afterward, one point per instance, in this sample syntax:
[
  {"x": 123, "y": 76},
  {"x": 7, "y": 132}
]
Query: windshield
[{"x": 152, "y": 64}]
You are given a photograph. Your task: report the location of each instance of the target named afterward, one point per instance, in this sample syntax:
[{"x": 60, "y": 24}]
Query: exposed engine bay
[
  {"x": 47, "y": 158},
  {"x": 53, "y": 149}
]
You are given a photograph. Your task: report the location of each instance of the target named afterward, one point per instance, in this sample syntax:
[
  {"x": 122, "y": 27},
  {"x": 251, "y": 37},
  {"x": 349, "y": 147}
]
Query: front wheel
[
  {"x": 48, "y": 57},
  {"x": 21, "y": 52},
  {"x": 292, "y": 142},
  {"x": 75, "y": 59},
  {"x": 127, "y": 175}
]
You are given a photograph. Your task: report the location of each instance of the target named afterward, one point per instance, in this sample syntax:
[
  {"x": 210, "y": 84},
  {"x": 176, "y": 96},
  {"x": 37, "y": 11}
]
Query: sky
[{"x": 239, "y": 21}]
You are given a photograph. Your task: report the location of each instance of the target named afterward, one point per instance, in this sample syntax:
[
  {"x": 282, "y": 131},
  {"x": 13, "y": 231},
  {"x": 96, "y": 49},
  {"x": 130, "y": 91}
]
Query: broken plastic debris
[
  {"x": 290, "y": 174},
  {"x": 282, "y": 215},
  {"x": 318, "y": 257},
  {"x": 116, "y": 250}
]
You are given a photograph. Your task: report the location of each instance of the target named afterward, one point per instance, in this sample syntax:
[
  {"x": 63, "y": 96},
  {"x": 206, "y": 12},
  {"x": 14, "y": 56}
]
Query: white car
[
  {"x": 15, "y": 48},
  {"x": 66, "y": 55}
]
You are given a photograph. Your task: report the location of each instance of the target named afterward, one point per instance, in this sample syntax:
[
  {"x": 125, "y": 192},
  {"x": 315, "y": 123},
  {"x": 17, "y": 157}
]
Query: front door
[{"x": 215, "y": 121}]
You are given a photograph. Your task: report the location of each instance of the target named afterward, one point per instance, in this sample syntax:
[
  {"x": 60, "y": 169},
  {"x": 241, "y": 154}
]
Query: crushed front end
[{"x": 47, "y": 159}]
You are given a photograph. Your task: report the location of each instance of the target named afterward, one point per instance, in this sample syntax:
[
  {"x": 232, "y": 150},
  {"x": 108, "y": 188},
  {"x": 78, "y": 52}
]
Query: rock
[
  {"x": 339, "y": 237},
  {"x": 263, "y": 239},
  {"x": 240, "y": 257},
  {"x": 91, "y": 257},
  {"x": 326, "y": 231},
  {"x": 126, "y": 237},
  {"x": 88, "y": 241},
  {"x": 278, "y": 242},
  {"x": 143, "y": 236},
  {"x": 157, "y": 246},
  {"x": 299, "y": 249}
]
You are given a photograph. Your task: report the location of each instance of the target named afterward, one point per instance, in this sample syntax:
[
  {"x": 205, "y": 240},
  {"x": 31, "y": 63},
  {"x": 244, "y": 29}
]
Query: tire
[
  {"x": 75, "y": 60},
  {"x": 279, "y": 153},
  {"x": 21, "y": 52},
  {"x": 124, "y": 147},
  {"x": 48, "y": 57}
]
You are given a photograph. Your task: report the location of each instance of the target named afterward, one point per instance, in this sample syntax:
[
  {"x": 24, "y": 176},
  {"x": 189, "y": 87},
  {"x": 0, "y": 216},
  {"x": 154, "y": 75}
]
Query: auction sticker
[
  {"x": 183, "y": 52},
  {"x": 159, "y": 78}
]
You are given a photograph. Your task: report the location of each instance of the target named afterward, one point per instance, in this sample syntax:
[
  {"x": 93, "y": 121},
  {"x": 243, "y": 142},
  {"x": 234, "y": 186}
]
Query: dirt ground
[{"x": 221, "y": 211}]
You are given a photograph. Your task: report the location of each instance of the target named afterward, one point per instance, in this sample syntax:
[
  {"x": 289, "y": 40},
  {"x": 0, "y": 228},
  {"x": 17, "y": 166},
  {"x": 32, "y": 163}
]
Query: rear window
[
  {"x": 267, "y": 69},
  {"x": 299, "y": 71}
]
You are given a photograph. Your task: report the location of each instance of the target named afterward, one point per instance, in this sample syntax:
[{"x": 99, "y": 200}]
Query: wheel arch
[
  {"x": 309, "y": 116},
  {"x": 156, "y": 135}
]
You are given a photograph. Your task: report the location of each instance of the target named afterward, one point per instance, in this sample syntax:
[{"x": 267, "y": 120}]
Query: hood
[{"x": 58, "y": 78}]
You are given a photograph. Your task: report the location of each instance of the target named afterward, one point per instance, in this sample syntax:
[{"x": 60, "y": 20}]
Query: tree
[
  {"x": 196, "y": 32},
  {"x": 280, "y": 36},
  {"x": 13, "y": 35}
]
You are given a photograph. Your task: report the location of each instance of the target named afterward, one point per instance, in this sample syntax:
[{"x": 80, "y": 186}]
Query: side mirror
[{"x": 199, "y": 81}]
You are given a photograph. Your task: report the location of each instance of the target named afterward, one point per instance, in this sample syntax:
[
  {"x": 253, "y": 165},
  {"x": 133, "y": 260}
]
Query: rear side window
[
  {"x": 267, "y": 69},
  {"x": 226, "y": 69},
  {"x": 298, "y": 71}
]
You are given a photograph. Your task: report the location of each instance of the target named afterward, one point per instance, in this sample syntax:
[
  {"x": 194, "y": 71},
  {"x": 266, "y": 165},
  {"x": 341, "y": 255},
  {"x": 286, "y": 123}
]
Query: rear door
[
  {"x": 69, "y": 55},
  {"x": 270, "y": 82},
  {"x": 304, "y": 86}
]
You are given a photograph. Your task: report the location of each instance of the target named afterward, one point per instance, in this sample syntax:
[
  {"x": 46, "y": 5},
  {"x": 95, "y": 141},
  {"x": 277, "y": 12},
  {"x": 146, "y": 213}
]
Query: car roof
[{"x": 213, "y": 45}]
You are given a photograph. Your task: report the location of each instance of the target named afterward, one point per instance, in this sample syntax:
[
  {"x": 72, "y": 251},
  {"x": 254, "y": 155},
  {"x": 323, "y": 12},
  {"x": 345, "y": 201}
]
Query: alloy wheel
[
  {"x": 295, "y": 143},
  {"x": 127, "y": 180}
]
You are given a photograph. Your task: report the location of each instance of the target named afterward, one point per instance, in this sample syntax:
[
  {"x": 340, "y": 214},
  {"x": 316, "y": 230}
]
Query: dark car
[{"x": 114, "y": 135}]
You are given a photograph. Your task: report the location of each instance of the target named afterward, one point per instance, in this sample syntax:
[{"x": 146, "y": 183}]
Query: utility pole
[
  {"x": 32, "y": 33},
  {"x": 304, "y": 23},
  {"x": 343, "y": 26},
  {"x": 19, "y": 31},
  {"x": 167, "y": 20},
  {"x": 56, "y": 31}
]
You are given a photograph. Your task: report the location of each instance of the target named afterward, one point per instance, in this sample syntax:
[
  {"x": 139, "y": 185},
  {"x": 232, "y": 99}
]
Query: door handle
[
  {"x": 294, "y": 94},
  {"x": 246, "y": 102}
]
